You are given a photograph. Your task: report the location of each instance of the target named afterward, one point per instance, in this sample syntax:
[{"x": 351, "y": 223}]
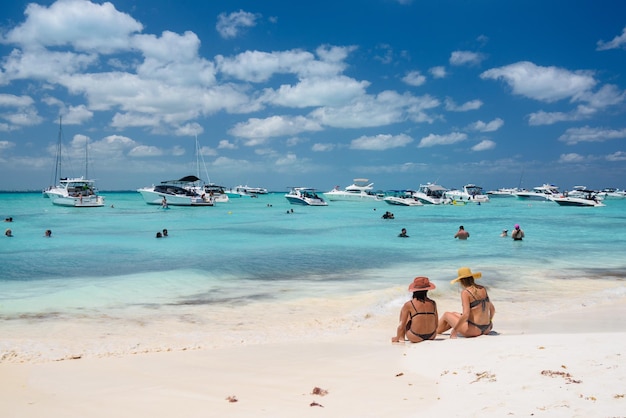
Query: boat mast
[
  {"x": 86, "y": 158},
  {"x": 57, "y": 164}
]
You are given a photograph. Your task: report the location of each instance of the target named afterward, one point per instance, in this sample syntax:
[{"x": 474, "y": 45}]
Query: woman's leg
[{"x": 447, "y": 321}]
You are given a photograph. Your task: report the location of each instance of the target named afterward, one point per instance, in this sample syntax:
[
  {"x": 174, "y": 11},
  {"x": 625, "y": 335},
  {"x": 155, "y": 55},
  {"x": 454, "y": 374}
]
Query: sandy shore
[{"x": 569, "y": 365}]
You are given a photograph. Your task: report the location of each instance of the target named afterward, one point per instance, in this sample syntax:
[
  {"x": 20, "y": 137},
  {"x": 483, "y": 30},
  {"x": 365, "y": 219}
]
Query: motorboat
[
  {"x": 431, "y": 194},
  {"x": 304, "y": 196},
  {"x": 402, "y": 198},
  {"x": 503, "y": 192},
  {"x": 181, "y": 192},
  {"x": 360, "y": 190},
  {"x": 245, "y": 191},
  {"x": 585, "y": 197},
  {"x": 612, "y": 193},
  {"x": 76, "y": 192},
  {"x": 470, "y": 193},
  {"x": 216, "y": 192},
  {"x": 544, "y": 192}
]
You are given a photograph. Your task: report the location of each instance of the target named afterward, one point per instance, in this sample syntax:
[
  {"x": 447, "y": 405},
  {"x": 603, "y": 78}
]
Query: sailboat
[{"x": 77, "y": 192}]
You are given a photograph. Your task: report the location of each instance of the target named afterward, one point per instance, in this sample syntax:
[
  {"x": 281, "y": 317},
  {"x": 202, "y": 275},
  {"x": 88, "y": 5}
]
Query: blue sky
[{"x": 401, "y": 92}]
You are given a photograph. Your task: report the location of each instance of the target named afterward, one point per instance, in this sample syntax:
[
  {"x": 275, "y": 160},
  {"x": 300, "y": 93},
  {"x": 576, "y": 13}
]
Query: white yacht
[
  {"x": 432, "y": 194},
  {"x": 304, "y": 196},
  {"x": 361, "y": 190},
  {"x": 544, "y": 192},
  {"x": 245, "y": 191},
  {"x": 471, "y": 193},
  {"x": 77, "y": 192},
  {"x": 216, "y": 192},
  {"x": 402, "y": 198},
  {"x": 582, "y": 197},
  {"x": 612, "y": 193},
  {"x": 503, "y": 192},
  {"x": 180, "y": 192}
]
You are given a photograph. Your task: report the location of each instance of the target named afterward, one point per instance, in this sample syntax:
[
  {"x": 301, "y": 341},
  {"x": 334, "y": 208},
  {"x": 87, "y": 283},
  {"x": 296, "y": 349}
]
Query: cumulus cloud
[
  {"x": 432, "y": 139},
  {"x": 547, "y": 84},
  {"x": 438, "y": 72},
  {"x": 484, "y": 145},
  {"x": 617, "y": 42},
  {"x": 467, "y": 106},
  {"x": 323, "y": 147},
  {"x": 588, "y": 134},
  {"x": 414, "y": 78},
  {"x": 380, "y": 142},
  {"x": 257, "y": 131},
  {"x": 84, "y": 25},
  {"x": 571, "y": 158},
  {"x": 617, "y": 156},
  {"x": 232, "y": 25},
  {"x": 459, "y": 58},
  {"x": 226, "y": 144},
  {"x": 492, "y": 126}
]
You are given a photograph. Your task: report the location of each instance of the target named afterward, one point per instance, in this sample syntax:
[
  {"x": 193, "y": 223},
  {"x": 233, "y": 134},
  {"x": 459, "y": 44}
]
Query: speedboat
[
  {"x": 402, "y": 198},
  {"x": 175, "y": 193},
  {"x": 431, "y": 194},
  {"x": 304, "y": 196},
  {"x": 470, "y": 193},
  {"x": 245, "y": 191},
  {"x": 503, "y": 192},
  {"x": 544, "y": 192},
  {"x": 612, "y": 193},
  {"x": 77, "y": 192},
  {"x": 582, "y": 198},
  {"x": 217, "y": 193},
  {"x": 360, "y": 190}
]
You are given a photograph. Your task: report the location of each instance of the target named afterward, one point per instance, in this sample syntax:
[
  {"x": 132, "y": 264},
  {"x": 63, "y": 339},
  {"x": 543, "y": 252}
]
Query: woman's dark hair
[{"x": 420, "y": 295}]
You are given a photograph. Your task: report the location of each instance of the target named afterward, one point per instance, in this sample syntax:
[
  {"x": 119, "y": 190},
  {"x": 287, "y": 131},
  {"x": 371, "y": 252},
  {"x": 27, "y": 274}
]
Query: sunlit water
[{"x": 228, "y": 273}]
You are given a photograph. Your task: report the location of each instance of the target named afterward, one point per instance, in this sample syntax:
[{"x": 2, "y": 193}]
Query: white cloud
[
  {"x": 84, "y": 25},
  {"x": 323, "y": 147},
  {"x": 466, "y": 58},
  {"x": 414, "y": 78},
  {"x": 231, "y": 25},
  {"x": 484, "y": 145},
  {"x": 547, "y": 84},
  {"x": 467, "y": 106},
  {"x": 258, "y": 130},
  {"x": 571, "y": 158},
  {"x": 386, "y": 108},
  {"x": 145, "y": 151},
  {"x": 617, "y": 156},
  {"x": 432, "y": 139},
  {"x": 4, "y": 145},
  {"x": 438, "y": 72},
  {"x": 226, "y": 144},
  {"x": 316, "y": 91},
  {"x": 492, "y": 126},
  {"x": 617, "y": 42},
  {"x": 380, "y": 142},
  {"x": 588, "y": 134}
]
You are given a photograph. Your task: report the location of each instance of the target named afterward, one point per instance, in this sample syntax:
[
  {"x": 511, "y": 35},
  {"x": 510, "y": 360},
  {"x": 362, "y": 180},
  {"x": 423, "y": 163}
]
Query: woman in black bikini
[
  {"x": 478, "y": 311},
  {"x": 418, "y": 317}
]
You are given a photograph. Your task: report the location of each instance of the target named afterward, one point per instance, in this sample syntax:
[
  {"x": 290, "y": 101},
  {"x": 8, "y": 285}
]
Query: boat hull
[
  {"x": 402, "y": 201},
  {"x": 77, "y": 202},
  {"x": 156, "y": 198}
]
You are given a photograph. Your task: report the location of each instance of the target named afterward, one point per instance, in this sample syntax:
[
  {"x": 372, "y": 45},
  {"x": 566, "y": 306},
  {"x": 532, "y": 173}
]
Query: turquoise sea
[{"x": 103, "y": 284}]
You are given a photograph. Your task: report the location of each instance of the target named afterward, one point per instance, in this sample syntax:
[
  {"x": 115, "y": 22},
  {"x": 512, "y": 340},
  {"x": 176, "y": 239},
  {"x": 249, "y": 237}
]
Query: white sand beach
[{"x": 571, "y": 364}]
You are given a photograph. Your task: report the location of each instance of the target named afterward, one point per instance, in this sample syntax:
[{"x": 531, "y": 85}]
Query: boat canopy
[{"x": 186, "y": 179}]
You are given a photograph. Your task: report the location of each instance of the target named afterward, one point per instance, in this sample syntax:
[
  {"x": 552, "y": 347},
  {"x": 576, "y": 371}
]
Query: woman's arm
[
  {"x": 401, "y": 331},
  {"x": 464, "y": 316}
]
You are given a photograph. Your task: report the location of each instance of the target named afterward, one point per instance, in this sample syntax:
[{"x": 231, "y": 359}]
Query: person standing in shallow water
[
  {"x": 418, "y": 316},
  {"x": 462, "y": 233},
  {"x": 478, "y": 311},
  {"x": 518, "y": 233}
]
